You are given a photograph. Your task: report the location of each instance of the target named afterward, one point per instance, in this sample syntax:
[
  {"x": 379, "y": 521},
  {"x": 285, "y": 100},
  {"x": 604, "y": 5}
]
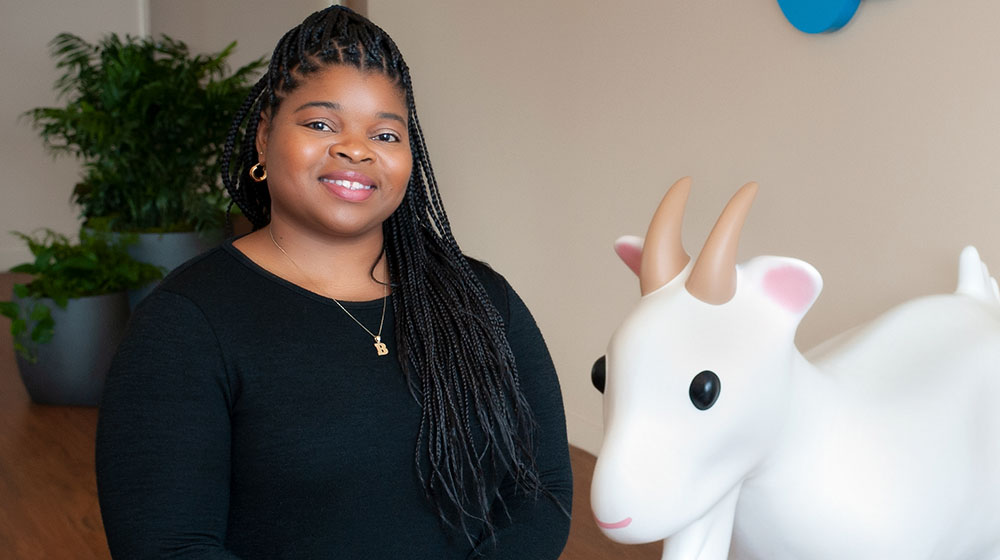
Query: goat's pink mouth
[{"x": 616, "y": 525}]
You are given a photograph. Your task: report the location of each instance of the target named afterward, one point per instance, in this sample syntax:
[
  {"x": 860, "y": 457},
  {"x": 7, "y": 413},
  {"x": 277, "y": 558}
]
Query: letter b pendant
[{"x": 380, "y": 346}]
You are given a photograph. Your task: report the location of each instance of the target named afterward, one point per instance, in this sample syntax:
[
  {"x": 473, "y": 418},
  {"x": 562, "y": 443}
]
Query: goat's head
[{"x": 698, "y": 374}]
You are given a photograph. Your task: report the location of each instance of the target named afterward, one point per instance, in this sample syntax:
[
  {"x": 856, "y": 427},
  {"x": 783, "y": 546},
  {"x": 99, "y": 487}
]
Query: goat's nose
[{"x": 598, "y": 373}]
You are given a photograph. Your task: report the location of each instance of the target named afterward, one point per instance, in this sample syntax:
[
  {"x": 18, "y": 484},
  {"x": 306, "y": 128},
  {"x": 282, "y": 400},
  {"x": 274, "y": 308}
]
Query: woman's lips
[
  {"x": 349, "y": 185},
  {"x": 349, "y": 176},
  {"x": 616, "y": 525}
]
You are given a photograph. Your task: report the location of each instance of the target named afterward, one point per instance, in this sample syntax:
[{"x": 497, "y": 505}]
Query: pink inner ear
[
  {"x": 630, "y": 254},
  {"x": 793, "y": 288}
]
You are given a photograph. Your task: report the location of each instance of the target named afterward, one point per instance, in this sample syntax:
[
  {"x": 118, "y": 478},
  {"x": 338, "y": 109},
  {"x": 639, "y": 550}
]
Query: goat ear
[
  {"x": 792, "y": 284},
  {"x": 629, "y": 250}
]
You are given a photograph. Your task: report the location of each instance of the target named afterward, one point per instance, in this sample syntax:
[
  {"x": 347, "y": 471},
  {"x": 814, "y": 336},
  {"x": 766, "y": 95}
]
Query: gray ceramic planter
[
  {"x": 168, "y": 251},
  {"x": 71, "y": 367}
]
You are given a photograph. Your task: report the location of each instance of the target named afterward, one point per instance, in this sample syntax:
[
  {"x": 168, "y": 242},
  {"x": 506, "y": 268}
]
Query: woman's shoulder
[
  {"x": 199, "y": 272},
  {"x": 495, "y": 284},
  {"x": 486, "y": 274},
  {"x": 500, "y": 292},
  {"x": 209, "y": 277}
]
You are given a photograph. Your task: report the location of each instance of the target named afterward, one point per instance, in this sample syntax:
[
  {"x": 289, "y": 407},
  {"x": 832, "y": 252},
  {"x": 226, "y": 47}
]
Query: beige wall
[
  {"x": 34, "y": 188},
  {"x": 209, "y": 26},
  {"x": 556, "y": 126}
]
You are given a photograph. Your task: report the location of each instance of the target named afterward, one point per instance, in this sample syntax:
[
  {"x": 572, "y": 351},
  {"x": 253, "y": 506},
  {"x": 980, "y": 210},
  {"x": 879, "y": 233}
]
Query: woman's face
[{"x": 337, "y": 153}]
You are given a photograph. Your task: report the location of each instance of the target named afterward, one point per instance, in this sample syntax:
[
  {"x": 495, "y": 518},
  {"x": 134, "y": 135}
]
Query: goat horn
[
  {"x": 663, "y": 256},
  {"x": 713, "y": 278}
]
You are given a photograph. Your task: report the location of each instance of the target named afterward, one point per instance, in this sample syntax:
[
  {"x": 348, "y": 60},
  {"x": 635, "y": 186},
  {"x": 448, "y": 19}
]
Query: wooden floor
[{"x": 48, "y": 495}]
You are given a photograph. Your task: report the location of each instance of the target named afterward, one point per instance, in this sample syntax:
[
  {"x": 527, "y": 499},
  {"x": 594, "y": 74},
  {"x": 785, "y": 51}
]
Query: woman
[{"x": 342, "y": 382}]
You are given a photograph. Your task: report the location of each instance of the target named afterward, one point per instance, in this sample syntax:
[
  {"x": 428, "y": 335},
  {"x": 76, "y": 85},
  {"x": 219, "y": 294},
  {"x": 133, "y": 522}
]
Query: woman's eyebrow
[
  {"x": 336, "y": 107},
  {"x": 323, "y": 104},
  {"x": 391, "y": 116}
]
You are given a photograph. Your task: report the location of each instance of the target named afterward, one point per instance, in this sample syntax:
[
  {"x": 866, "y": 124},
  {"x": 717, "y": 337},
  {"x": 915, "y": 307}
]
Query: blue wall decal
[{"x": 817, "y": 16}]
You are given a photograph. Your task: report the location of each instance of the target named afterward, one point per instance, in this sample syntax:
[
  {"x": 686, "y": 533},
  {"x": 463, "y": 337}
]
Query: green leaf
[
  {"x": 25, "y": 352},
  {"x": 9, "y": 309},
  {"x": 39, "y": 311},
  {"x": 43, "y": 331},
  {"x": 80, "y": 262}
]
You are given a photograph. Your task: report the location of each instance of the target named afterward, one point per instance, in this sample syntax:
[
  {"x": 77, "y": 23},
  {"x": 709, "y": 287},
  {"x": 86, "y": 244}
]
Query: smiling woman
[
  {"x": 337, "y": 156},
  {"x": 247, "y": 414}
]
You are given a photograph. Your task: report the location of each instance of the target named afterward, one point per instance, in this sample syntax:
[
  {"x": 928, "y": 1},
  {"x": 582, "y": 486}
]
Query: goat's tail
[{"x": 974, "y": 279}]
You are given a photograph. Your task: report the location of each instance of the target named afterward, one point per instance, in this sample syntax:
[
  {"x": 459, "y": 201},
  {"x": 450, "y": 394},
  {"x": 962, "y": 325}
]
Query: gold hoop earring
[{"x": 259, "y": 168}]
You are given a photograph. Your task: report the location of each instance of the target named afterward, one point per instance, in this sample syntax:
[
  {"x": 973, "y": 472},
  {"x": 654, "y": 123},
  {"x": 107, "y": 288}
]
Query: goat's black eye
[
  {"x": 598, "y": 372},
  {"x": 704, "y": 390}
]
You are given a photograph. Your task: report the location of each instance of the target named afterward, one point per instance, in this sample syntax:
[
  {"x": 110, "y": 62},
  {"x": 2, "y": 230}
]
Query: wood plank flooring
[{"x": 48, "y": 495}]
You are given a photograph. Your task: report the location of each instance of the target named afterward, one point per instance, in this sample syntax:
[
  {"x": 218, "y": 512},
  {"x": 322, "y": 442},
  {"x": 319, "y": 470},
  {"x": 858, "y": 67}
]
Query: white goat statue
[{"x": 723, "y": 439}]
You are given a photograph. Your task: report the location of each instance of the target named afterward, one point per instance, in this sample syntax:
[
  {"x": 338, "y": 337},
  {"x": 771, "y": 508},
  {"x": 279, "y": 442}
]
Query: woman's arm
[
  {"x": 163, "y": 437},
  {"x": 537, "y": 528}
]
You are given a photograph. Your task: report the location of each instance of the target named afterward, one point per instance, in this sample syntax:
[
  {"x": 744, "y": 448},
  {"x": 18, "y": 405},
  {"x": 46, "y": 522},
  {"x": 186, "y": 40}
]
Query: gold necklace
[{"x": 380, "y": 346}]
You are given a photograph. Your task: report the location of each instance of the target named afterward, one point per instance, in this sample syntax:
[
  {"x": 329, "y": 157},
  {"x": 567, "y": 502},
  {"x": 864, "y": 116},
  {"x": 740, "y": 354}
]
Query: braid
[
  {"x": 475, "y": 423},
  {"x": 237, "y": 183}
]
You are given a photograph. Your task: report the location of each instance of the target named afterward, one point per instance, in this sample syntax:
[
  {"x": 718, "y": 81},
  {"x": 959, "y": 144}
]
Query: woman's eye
[
  {"x": 319, "y": 125},
  {"x": 386, "y": 137}
]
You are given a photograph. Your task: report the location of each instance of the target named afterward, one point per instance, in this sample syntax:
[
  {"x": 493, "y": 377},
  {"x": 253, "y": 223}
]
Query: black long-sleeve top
[{"x": 245, "y": 417}]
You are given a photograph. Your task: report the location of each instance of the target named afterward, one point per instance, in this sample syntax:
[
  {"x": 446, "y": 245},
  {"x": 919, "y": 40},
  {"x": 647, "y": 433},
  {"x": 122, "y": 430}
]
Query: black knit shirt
[{"x": 245, "y": 417}]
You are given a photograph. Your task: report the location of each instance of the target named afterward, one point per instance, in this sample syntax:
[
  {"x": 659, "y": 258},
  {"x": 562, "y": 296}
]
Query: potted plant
[
  {"x": 66, "y": 322},
  {"x": 148, "y": 119}
]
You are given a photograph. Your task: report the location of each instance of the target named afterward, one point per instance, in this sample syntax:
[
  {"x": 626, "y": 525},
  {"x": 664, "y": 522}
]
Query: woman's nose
[{"x": 354, "y": 149}]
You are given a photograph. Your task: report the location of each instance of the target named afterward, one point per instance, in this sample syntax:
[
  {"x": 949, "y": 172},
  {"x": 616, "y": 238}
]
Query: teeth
[{"x": 352, "y": 185}]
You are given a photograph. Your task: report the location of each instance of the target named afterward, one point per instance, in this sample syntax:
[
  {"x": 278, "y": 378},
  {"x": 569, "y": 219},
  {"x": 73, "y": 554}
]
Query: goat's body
[
  {"x": 892, "y": 445},
  {"x": 720, "y": 437}
]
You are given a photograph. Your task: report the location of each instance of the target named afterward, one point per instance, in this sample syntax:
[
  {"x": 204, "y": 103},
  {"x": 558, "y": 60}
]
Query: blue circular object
[{"x": 817, "y": 16}]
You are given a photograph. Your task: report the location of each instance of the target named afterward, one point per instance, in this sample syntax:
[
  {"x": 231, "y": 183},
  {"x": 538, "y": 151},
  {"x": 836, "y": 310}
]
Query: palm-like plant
[{"x": 148, "y": 119}]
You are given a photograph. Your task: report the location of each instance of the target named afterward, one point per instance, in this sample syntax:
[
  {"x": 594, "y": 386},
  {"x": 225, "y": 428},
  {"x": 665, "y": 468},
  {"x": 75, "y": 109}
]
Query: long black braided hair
[{"x": 475, "y": 422}]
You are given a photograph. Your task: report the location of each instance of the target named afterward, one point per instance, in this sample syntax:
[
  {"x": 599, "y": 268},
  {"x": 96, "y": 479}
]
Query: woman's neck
[{"x": 335, "y": 267}]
